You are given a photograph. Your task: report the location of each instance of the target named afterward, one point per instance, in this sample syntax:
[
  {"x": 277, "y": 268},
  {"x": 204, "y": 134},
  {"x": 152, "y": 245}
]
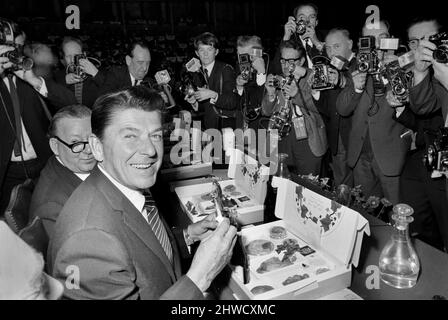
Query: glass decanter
[{"x": 399, "y": 264}]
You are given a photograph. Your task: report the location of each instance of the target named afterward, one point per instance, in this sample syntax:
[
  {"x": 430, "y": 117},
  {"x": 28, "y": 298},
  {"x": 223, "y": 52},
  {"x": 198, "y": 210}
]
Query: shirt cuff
[
  {"x": 43, "y": 88},
  {"x": 399, "y": 111},
  {"x": 261, "y": 79},
  {"x": 315, "y": 94}
]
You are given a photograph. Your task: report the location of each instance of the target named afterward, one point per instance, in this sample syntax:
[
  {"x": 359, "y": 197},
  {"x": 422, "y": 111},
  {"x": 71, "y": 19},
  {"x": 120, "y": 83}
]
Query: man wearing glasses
[
  {"x": 306, "y": 142},
  {"x": 67, "y": 168}
]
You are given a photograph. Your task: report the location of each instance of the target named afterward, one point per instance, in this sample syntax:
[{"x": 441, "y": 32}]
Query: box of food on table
[
  {"x": 245, "y": 191},
  {"x": 307, "y": 254}
]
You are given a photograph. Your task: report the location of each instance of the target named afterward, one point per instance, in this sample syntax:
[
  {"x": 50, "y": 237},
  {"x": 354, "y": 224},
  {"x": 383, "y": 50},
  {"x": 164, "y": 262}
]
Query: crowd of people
[{"x": 92, "y": 138}]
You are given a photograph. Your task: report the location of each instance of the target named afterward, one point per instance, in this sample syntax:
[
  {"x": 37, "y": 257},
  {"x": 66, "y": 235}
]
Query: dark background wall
[{"x": 263, "y": 17}]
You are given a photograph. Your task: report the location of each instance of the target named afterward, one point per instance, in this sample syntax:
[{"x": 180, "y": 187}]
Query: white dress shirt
[{"x": 133, "y": 80}]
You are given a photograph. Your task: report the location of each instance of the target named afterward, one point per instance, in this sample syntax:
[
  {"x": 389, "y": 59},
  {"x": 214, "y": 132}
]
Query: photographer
[
  {"x": 306, "y": 141},
  {"x": 217, "y": 100},
  {"x": 376, "y": 152},
  {"x": 420, "y": 188},
  {"x": 82, "y": 88},
  {"x": 24, "y": 147},
  {"x": 250, "y": 82},
  {"x": 302, "y": 28},
  {"x": 338, "y": 44}
]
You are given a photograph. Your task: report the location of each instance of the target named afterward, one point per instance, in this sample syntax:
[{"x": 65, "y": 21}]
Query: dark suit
[
  {"x": 250, "y": 99},
  {"x": 101, "y": 232},
  {"x": 375, "y": 150},
  {"x": 56, "y": 184},
  {"x": 424, "y": 194},
  {"x": 36, "y": 124},
  {"x": 222, "y": 81},
  {"x": 61, "y": 94},
  {"x": 119, "y": 78},
  {"x": 338, "y": 131}
]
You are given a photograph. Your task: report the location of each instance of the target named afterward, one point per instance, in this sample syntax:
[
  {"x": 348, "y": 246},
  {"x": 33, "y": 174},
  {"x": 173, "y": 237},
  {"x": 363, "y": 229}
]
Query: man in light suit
[
  {"x": 70, "y": 165},
  {"x": 113, "y": 234},
  {"x": 376, "y": 152}
]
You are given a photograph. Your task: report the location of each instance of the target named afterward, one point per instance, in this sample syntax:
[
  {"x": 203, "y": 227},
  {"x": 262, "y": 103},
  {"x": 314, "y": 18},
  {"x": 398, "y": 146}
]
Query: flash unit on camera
[{"x": 389, "y": 44}]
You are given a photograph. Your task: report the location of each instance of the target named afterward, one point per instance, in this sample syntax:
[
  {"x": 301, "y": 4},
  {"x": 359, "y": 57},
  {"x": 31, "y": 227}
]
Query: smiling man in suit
[
  {"x": 71, "y": 164},
  {"x": 111, "y": 229}
]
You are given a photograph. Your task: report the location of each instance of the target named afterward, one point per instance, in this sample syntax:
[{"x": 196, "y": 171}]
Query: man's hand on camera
[
  {"x": 423, "y": 59},
  {"x": 392, "y": 100},
  {"x": 212, "y": 255},
  {"x": 388, "y": 58},
  {"x": 190, "y": 99},
  {"x": 310, "y": 33},
  {"x": 333, "y": 76},
  {"x": 359, "y": 80},
  {"x": 291, "y": 90},
  {"x": 299, "y": 72},
  {"x": 88, "y": 67},
  {"x": 4, "y": 61},
  {"x": 269, "y": 85},
  {"x": 258, "y": 65},
  {"x": 441, "y": 72},
  {"x": 72, "y": 78},
  {"x": 202, "y": 229},
  {"x": 290, "y": 28},
  {"x": 240, "y": 82}
]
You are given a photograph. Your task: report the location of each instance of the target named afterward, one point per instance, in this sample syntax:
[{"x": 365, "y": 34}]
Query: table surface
[{"x": 432, "y": 281}]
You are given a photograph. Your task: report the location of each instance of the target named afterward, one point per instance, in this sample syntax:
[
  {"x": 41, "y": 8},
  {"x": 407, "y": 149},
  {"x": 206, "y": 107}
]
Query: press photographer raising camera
[{"x": 302, "y": 28}]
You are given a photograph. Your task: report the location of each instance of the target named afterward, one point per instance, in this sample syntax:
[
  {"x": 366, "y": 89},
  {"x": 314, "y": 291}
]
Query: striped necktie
[
  {"x": 18, "y": 143},
  {"x": 157, "y": 226}
]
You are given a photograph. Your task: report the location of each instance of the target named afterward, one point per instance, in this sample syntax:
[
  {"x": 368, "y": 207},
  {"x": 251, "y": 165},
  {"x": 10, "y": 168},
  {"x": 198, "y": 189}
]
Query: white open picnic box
[
  {"x": 328, "y": 235},
  {"x": 247, "y": 187}
]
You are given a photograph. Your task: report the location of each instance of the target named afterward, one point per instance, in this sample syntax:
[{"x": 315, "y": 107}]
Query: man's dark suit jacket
[
  {"x": 384, "y": 131},
  {"x": 34, "y": 120},
  {"x": 251, "y": 99},
  {"x": 101, "y": 232},
  {"x": 56, "y": 184},
  {"x": 335, "y": 124},
  {"x": 118, "y": 78},
  {"x": 61, "y": 94},
  {"x": 221, "y": 80}
]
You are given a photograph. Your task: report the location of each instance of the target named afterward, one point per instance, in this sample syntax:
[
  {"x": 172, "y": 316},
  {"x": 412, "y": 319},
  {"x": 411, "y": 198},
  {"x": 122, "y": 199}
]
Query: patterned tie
[
  {"x": 16, "y": 107},
  {"x": 157, "y": 226}
]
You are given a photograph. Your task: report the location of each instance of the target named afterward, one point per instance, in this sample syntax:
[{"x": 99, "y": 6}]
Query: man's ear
[
  {"x": 97, "y": 147},
  {"x": 128, "y": 60},
  {"x": 197, "y": 53},
  {"x": 54, "y": 146},
  {"x": 317, "y": 22},
  {"x": 216, "y": 52},
  {"x": 302, "y": 61},
  {"x": 350, "y": 44}
]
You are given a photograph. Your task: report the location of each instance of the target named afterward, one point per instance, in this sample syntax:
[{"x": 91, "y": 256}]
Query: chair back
[
  {"x": 34, "y": 234},
  {"x": 16, "y": 214}
]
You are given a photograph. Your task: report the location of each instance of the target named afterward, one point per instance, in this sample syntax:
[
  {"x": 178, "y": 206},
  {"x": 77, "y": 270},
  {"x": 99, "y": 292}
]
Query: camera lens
[{"x": 441, "y": 54}]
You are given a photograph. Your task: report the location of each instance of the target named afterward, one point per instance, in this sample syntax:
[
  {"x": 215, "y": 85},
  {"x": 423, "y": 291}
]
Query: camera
[
  {"x": 321, "y": 71},
  {"x": 440, "y": 54},
  {"x": 278, "y": 82},
  {"x": 245, "y": 65},
  {"x": 188, "y": 86},
  {"x": 75, "y": 67},
  {"x": 367, "y": 58},
  {"x": 301, "y": 27},
  {"x": 16, "y": 57},
  {"x": 436, "y": 157},
  {"x": 399, "y": 79}
]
